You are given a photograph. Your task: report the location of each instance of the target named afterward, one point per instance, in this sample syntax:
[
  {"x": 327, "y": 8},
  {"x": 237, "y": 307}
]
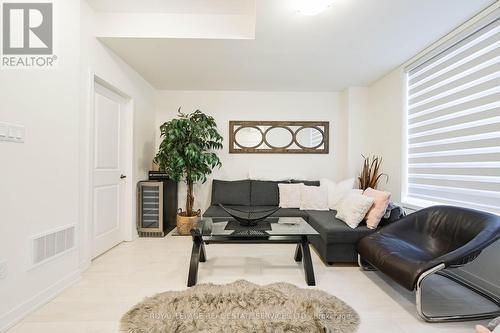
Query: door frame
[{"x": 127, "y": 223}]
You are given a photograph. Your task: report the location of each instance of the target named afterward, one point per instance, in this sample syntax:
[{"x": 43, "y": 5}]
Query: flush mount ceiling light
[{"x": 312, "y": 7}]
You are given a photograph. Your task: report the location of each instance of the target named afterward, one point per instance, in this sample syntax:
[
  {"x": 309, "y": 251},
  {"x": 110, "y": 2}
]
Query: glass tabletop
[{"x": 282, "y": 226}]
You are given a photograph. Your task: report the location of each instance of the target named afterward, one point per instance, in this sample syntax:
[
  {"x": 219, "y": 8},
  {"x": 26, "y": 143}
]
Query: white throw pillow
[
  {"x": 313, "y": 198},
  {"x": 336, "y": 191},
  {"x": 353, "y": 208},
  {"x": 290, "y": 195}
]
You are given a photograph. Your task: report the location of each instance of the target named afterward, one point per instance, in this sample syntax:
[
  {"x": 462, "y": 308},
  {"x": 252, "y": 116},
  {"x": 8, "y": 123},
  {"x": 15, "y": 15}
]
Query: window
[{"x": 453, "y": 154}]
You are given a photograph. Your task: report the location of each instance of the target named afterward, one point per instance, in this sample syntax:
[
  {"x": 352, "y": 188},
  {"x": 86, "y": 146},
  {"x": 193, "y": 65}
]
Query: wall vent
[{"x": 51, "y": 244}]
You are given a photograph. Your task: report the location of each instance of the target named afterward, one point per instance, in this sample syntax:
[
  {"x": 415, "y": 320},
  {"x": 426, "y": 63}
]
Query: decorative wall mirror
[{"x": 278, "y": 137}]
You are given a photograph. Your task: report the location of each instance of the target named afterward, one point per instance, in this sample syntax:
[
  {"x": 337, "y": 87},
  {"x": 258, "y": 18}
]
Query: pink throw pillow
[{"x": 376, "y": 213}]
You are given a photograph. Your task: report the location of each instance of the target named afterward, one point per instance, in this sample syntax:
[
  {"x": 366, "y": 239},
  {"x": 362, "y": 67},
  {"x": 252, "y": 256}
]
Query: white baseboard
[{"x": 11, "y": 318}]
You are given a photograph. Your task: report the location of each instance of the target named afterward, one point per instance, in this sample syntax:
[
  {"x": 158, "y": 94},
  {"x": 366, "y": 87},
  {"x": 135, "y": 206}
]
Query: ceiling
[
  {"x": 352, "y": 43},
  {"x": 174, "y": 6}
]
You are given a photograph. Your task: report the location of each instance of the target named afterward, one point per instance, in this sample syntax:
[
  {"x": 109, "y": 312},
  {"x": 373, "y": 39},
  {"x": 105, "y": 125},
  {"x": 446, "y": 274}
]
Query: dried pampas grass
[{"x": 370, "y": 174}]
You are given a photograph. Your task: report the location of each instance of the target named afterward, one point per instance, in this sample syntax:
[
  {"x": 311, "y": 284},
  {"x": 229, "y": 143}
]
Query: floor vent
[
  {"x": 52, "y": 244},
  {"x": 151, "y": 234}
]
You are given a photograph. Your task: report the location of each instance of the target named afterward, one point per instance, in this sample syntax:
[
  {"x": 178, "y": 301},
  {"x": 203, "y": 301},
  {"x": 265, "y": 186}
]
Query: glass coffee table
[{"x": 283, "y": 230}]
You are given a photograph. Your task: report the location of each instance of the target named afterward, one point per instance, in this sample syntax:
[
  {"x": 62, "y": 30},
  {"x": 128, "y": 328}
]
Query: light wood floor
[{"x": 131, "y": 271}]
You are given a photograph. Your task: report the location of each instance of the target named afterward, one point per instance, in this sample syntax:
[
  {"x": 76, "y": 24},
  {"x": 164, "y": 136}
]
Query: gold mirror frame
[{"x": 293, "y": 147}]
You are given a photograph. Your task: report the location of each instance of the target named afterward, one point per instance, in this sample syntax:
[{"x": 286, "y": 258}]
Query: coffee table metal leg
[
  {"x": 298, "y": 253},
  {"x": 308, "y": 267},
  {"x": 203, "y": 254},
  {"x": 195, "y": 260}
]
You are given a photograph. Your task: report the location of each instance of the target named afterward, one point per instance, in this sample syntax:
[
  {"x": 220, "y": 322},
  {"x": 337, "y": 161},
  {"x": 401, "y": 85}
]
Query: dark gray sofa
[{"x": 336, "y": 242}]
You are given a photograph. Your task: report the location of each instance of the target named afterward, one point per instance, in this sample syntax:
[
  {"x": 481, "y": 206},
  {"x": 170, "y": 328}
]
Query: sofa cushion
[
  {"x": 231, "y": 192},
  {"x": 292, "y": 212},
  {"x": 336, "y": 191},
  {"x": 289, "y": 195},
  {"x": 377, "y": 211},
  {"x": 313, "y": 198},
  {"x": 306, "y": 182},
  {"x": 264, "y": 193},
  {"x": 332, "y": 230},
  {"x": 353, "y": 207},
  {"x": 216, "y": 211}
]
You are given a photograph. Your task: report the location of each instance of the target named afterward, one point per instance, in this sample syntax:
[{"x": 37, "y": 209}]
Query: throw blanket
[{"x": 394, "y": 212}]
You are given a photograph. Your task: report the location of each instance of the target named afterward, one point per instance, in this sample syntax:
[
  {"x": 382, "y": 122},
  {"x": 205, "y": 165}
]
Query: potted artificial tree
[{"x": 187, "y": 154}]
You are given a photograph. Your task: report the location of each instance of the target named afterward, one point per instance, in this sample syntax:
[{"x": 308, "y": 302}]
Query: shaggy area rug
[{"x": 241, "y": 307}]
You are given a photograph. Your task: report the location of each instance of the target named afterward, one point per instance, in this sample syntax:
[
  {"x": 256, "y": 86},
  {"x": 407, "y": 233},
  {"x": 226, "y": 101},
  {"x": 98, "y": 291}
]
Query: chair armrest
[
  {"x": 433, "y": 216},
  {"x": 469, "y": 251}
]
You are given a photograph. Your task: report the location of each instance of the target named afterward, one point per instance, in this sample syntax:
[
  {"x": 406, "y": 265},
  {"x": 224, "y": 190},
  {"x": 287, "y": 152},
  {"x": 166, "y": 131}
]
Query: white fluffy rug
[{"x": 241, "y": 306}]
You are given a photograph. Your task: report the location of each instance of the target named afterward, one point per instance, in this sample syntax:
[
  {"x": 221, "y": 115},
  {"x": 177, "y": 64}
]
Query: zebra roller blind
[{"x": 454, "y": 124}]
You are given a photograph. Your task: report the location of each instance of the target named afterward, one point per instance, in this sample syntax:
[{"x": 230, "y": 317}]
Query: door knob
[{"x": 123, "y": 176}]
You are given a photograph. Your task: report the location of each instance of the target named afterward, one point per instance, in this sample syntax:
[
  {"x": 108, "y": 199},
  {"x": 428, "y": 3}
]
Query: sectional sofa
[{"x": 336, "y": 242}]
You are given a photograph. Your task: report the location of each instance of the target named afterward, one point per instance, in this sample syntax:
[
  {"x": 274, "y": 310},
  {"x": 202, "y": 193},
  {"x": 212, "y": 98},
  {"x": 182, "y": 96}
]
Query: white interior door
[{"x": 108, "y": 177}]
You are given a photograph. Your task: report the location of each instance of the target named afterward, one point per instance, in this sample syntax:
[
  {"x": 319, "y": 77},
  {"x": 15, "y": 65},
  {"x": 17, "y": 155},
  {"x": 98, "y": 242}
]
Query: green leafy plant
[
  {"x": 370, "y": 174},
  {"x": 186, "y": 152}
]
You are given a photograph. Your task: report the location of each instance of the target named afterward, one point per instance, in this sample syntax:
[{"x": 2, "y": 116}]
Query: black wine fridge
[{"x": 157, "y": 207}]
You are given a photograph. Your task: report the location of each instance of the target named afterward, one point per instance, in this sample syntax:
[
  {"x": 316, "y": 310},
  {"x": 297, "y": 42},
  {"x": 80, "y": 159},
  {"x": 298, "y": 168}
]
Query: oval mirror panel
[
  {"x": 248, "y": 137},
  {"x": 309, "y": 137},
  {"x": 279, "y": 137}
]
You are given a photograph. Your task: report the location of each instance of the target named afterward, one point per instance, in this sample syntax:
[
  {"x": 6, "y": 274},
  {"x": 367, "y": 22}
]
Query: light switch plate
[
  {"x": 12, "y": 133},
  {"x": 3, "y": 131},
  {"x": 19, "y": 133}
]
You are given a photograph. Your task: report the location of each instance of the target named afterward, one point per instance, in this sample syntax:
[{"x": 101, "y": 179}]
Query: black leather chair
[{"x": 427, "y": 242}]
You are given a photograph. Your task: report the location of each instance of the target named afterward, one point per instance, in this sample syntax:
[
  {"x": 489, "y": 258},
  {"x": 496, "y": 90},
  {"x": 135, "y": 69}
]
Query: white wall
[
  {"x": 354, "y": 102},
  {"x": 384, "y": 127},
  {"x": 238, "y": 105},
  {"x": 39, "y": 179},
  {"x": 374, "y": 127},
  {"x": 99, "y": 60},
  {"x": 374, "y": 119},
  {"x": 42, "y": 181}
]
